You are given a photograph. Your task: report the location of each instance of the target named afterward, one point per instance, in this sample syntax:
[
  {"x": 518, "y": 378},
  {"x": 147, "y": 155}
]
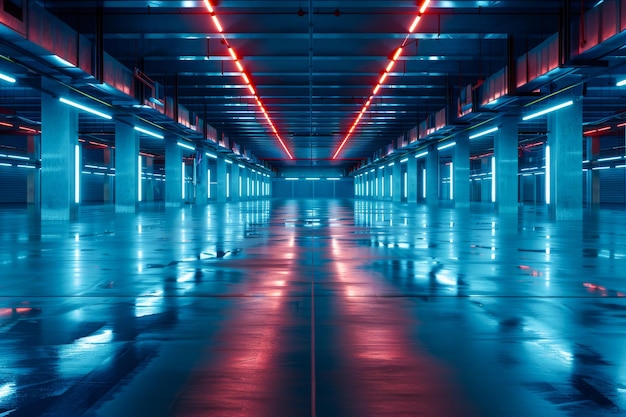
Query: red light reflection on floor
[{"x": 396, "y": 376}]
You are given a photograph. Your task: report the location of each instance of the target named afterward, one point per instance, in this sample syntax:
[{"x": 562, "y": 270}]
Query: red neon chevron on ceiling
[
  {"x": 245, "y": 76},
  {"x": 383, "y": 77}
]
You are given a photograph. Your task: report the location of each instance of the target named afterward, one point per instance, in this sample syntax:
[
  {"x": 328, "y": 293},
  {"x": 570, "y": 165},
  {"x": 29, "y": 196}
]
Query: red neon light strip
[
  {"x": 28, "y": 129},
  {"x": 602, "y": 129},
  {"x": 245, "y": 76},
  {"x": 384, "y": 76}
]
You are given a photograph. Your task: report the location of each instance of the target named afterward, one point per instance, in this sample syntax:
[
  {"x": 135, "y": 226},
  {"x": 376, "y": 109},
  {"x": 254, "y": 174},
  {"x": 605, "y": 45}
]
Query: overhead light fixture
[
  {"x": 149, "y": 133},
  {"x": 186, "y": 146},
  {"x": 618, "y": 84},
  {"x": 391, "y": 164},
  {"x": 483, "y": 133},
  {"x": 446, "y": 146},
  {"x": 7, "y": 78},
  {"x": 613, "y": 158},
  {"x": 210, "y": 155},
  {"x": 85, "y": 108},
  {"x": 228, "y": 161},
  {"x": 402, "y": 161},
  {"x": 421, "y": 154},
  {"x": 548, "y": 110}
]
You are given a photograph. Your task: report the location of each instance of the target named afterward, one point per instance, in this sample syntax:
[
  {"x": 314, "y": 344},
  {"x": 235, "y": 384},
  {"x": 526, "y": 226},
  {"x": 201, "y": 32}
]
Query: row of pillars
[
  {"x": 61, "y": 167},
  {"x": 563, "y": 169}
]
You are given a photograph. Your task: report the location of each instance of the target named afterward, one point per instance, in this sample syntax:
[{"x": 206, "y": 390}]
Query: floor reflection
[{"x": 313, "y": 307}]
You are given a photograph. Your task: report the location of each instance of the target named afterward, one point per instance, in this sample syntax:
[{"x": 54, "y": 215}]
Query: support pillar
[
  {"x": 173, "y": 174},
  {"x": 506, "y": 178},
  {"x": 236, "y": 187},
  {"x": 245, "y": 184},
  {"x": 149, "y": 182},
  {"x": 396, "y": 172},
  {"x": 461, "y": 172},
  {"x": 565, "y": 162},
  {"x": 413, "y": 179},
  {"x": 593, "y": 183},
  {"x": 221, "y": 180},
  {"x": 126, "y": 167},
  {"x": 33, "y": 178},
  {"x": 202, "y": 179},
  {"x": 109, "y": 182},
  {"x": 59, "y": 138},
  {"x": 432, "y": 176}
]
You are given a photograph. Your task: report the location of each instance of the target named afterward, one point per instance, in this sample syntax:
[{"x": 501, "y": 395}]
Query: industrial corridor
[{"x": 315, "y": 307}]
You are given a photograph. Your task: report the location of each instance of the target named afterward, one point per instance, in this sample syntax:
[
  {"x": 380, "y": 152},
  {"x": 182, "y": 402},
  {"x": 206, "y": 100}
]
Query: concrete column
[
  {"x": 126, "y": 167},
  {"x": 413, "y": 179},
  {"x": 432, "y": 176},
  {"x": 109, "y": 182},
  {"x": 593, "y": 183},
  {"x": 485, "y": 187},
  {"x": 149, "y": 182},
  {"x": 461, "y": 172},
  {"x": 396, "y": 171},
  {"x": 202, "y": 179},
  {"x": 506, "y": 178},
  {"x": 59, "y": 137},
  {"x": 254, "y": 185},
  {"x": 234, "y": 182},
  {"x": 173, "y": 174},
  {"x": 245, "y": 183},
  {"x": 33, "y": 178},
  {"x": 564, "y": 140},
  {"x": 221, "y": 180}
]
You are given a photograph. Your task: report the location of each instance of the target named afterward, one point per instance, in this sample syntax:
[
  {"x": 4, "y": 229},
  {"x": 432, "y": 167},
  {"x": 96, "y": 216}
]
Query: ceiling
[{"x": 313, "y": 63}]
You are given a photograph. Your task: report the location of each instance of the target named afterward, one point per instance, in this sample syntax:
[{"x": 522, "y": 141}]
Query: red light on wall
[
  {"x": 376, "y": 89},
  {"x": 383, "y": 78},
  {"x": 245, "y": 77},
  {"x": 6, "y": 124},
  {"x": 251, "y": 89},
  {"x": 424, "y": 6},
  {"x": 216, "y": 22}
]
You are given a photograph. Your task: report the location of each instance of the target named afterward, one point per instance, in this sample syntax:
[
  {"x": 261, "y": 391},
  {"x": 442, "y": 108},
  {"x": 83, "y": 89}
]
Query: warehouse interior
[{"x": 312, "y": 207}]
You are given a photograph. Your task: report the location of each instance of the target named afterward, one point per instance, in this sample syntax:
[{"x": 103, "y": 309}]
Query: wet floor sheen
[{"x": 312, "y": 308}]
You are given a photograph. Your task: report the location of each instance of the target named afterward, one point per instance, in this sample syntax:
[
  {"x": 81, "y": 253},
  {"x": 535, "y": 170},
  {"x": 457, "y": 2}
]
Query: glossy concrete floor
[{"x": 312, "y": 308}]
